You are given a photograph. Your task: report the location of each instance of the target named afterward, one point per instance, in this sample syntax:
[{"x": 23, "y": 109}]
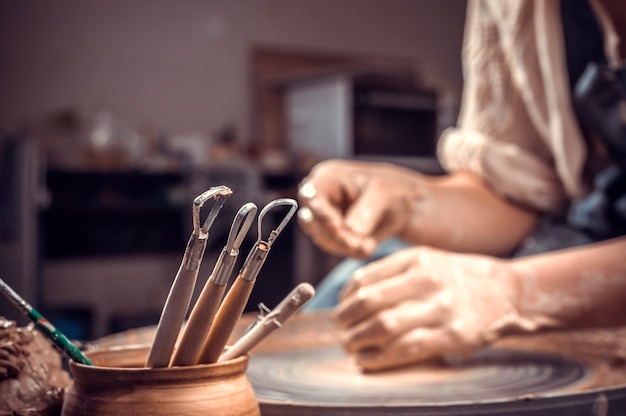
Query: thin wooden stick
[{"x": 275, "y": 319}]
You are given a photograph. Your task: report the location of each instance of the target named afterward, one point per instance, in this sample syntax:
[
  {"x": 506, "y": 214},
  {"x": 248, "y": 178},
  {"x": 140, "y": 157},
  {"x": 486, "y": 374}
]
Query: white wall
[{"x": 181, "y": 65}]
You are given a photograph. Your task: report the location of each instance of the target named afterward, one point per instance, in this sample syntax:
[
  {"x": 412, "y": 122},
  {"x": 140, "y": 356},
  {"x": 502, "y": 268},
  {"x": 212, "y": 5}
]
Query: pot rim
[{"x": 221, "y": 369}]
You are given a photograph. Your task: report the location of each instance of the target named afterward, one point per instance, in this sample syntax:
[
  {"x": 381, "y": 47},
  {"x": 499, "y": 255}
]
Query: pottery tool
[
  {"x": 46, "y": 328},
  {"x": 237, "y": 297},
  {"x": 177, "y": 302},
  {"x": 204, "y": 311},
  {"x": 266, "y": 323}
]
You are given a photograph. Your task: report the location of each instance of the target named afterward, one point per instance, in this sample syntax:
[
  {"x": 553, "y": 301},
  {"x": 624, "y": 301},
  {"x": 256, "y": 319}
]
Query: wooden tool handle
[
  {"x": 198, "y": 325},
  {"x": 225, "y": 320},
  {"x": 270, "y": 322},
  {"x": 172, "y": 318}
]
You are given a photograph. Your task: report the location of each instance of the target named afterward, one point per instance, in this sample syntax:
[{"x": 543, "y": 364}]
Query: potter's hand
[
  {"x": 421, "y": 303},
  {"x": 349, "y": 207}
]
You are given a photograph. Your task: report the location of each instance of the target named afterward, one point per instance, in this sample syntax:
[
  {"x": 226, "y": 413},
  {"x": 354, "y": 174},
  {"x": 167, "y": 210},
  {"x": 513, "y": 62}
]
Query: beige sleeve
[{"x": 496, "y": 138}]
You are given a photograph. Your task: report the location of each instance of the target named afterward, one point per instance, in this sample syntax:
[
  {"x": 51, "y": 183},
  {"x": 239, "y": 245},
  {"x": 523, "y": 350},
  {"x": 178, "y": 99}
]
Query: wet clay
[{"x": 32, "y": 380}]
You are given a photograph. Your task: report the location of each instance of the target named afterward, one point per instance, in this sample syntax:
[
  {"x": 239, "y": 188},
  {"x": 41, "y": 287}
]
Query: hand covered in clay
[
  {"x": 421, "y": 303},
  {"x": 349, "y": 207}
]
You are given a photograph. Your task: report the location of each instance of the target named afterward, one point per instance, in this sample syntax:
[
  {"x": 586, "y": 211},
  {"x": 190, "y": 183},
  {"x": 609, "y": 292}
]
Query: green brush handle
[{"x": 44, "y": 326}]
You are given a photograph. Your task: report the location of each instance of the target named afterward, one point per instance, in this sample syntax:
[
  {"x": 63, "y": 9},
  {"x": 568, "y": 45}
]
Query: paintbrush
[{"x": 46, "y": 328}]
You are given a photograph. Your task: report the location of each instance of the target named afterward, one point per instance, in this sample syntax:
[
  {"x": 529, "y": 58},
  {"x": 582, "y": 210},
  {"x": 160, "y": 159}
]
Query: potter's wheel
[
  {"x": 301, "y": 370},
  {"x": 328, "y": 376}
]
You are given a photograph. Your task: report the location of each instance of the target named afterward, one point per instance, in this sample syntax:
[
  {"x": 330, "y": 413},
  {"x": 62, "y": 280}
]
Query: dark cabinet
[{"x": 112, "y": 214}]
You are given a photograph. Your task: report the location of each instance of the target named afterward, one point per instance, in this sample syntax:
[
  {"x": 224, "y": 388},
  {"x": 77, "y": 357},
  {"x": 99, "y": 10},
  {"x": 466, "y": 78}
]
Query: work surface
[{"x": 300, "y": 369}]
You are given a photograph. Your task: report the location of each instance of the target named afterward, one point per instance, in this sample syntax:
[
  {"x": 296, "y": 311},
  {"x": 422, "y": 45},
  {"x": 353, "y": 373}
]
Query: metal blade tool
[
  {"x": 203, "y": 313},
  {"x": 180, "y": 294}
]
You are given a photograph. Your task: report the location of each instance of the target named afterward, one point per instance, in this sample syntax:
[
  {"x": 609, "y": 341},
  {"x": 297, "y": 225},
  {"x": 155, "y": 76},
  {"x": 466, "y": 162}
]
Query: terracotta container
[{"x": 118, "y": 385}]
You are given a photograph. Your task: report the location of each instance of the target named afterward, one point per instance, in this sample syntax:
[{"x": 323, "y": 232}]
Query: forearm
[
  {"x": 574, "y": 288},
  {"x": 460, "y": 213}
]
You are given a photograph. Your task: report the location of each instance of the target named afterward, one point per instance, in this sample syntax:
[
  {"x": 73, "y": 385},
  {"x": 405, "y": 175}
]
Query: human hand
[
  {"x": 349, "y": 207},
  {"x": 421, "y": 303}
]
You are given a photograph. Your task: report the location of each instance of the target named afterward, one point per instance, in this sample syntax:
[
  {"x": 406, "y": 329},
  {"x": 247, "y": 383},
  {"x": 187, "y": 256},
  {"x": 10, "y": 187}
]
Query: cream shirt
[{"x": 517, "y": 129}]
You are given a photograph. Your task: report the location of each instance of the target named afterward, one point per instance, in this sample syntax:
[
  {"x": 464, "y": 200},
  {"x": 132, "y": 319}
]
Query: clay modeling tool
[
  {"x": 237, "y": 297},
  {"x": 268, "y": 322},
  {"x": 178, "y": 300},
  {"x": 204, "y": 311},
  {"x": 46, "y": 328}
]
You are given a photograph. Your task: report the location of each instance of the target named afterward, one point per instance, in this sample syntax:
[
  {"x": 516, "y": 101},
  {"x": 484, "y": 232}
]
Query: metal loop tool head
[
  {"x": 219, "y": 193},
  {"x": 197, "y": 241},
  {"x": 259, "y": 252},
  {"x": 275, "y": 232},
  {"x": 238, "y": 230}
]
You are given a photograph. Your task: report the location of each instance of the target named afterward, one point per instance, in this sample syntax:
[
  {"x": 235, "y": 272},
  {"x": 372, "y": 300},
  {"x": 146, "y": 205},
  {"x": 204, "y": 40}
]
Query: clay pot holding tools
[{"x": 119, "y": 384}]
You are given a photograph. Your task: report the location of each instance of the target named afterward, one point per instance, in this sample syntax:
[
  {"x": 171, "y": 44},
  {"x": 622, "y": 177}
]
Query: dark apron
[{"x": 598, "y": 92}]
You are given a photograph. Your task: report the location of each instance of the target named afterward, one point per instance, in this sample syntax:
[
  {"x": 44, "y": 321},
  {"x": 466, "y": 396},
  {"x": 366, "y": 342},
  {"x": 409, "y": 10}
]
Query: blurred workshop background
[{"x": 115, "y": 114}]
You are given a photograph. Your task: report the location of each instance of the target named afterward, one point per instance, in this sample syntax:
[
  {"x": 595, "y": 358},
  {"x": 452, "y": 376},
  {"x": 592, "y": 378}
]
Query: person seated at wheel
[{"x": 524, "y": 232}]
